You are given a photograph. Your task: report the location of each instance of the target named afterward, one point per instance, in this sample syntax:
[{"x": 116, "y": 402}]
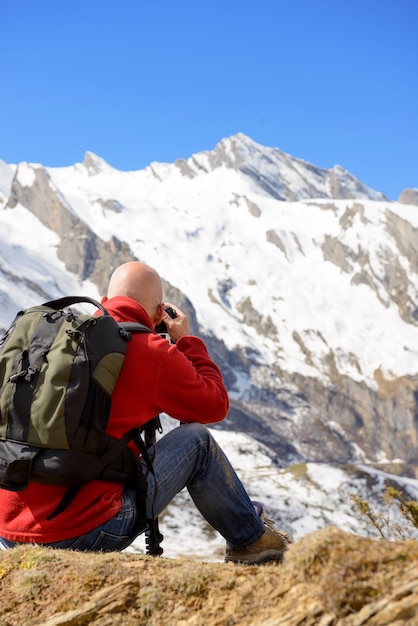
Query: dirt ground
[{"x": 329, "y": 578}]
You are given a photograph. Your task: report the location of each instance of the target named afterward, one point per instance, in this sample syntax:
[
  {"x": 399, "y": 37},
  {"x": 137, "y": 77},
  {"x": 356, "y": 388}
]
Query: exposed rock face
[
  {"x": 409, "y": 196},
  {"x": 392, "y": 286},
  {"x": 82, "y": 251},
  {"x": 277, "y": 173},
  {"x": 343, "y": 421},
  {"x": 355, "y": 415}
]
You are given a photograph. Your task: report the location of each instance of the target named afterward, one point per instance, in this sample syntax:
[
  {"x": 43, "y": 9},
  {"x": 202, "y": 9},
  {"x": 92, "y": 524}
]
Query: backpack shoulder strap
[
  {"x": 134, "y": 327},
  {"x": 61, "y": 303}
]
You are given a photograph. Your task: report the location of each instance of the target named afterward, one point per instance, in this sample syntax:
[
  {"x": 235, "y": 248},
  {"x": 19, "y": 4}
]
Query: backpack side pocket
[{"x": 16, "y": 460}]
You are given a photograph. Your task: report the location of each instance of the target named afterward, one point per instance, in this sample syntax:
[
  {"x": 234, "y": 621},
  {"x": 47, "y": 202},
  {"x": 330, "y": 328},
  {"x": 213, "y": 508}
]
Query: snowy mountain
[{"x": 302, "y": 281}]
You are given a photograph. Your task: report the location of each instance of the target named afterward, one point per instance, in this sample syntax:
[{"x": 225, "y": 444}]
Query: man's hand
[{"x": 177, "y": 327}]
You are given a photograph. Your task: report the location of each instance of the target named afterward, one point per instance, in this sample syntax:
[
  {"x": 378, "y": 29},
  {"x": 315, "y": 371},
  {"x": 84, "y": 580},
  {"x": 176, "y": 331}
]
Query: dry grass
[{"x": 328, "y": 577}]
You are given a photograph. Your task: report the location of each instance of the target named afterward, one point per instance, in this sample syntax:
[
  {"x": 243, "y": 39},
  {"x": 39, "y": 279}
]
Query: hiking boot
[{"x": 271, "y": 547}]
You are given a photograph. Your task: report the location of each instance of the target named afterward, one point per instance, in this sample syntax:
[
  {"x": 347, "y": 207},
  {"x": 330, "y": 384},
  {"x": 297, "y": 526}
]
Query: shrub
[{"x": 383, "y": 522}]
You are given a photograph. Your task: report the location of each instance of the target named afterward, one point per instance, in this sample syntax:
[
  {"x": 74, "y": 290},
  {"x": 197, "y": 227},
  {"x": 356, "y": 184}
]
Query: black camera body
[
  {"x": 161, "y": 328},
  {"x": 171, "y": 312}
]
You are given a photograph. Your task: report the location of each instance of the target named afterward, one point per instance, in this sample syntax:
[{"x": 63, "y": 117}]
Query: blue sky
[{"x": 330, "y": 82}]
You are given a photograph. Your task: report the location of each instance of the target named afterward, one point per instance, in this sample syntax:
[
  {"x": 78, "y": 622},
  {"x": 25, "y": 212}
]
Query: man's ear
[{"x": 103, "y": 299}]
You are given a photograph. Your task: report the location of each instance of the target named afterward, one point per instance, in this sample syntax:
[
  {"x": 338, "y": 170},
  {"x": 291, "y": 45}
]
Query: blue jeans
[{"x": 188, "y": 456}]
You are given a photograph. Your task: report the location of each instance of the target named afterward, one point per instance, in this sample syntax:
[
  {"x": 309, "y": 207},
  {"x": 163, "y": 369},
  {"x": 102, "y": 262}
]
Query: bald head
[{"x": 141, "y": 283}]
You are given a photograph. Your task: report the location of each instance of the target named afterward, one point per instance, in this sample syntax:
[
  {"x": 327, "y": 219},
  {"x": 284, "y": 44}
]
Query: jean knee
[{"x": 199, "y": 432}]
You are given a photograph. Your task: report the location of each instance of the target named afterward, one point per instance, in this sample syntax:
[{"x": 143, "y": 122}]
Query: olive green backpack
[{"x": 58, "y": 369}]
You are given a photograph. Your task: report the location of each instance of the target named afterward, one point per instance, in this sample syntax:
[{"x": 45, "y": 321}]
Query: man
[{"x": 182, "y": 381}]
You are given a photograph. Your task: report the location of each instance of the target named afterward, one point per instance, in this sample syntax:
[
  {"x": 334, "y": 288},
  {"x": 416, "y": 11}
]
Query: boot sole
[{"x": 257, "y": 559}]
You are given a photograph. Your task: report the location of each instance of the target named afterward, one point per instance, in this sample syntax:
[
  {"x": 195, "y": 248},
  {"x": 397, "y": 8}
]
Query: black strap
[
  {"x": 66, "y": 500},
  {"x": 61, "y": 303},
  {"x": 143, "y": 450},
  {"x": 153, "y": 537},
  {"x": 150, "y": 428},
  {"x": 134, "y": 327},
  {"x": 115, "y": 451}
]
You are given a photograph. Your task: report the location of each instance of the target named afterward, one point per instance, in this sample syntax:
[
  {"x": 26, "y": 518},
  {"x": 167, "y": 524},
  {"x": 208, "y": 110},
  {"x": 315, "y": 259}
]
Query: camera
[
  {"x": 171, "y": 312},
  {"x": 161, "y": 328}
]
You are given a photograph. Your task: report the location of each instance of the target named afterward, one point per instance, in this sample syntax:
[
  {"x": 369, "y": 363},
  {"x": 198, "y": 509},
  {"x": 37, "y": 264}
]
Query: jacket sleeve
[{"x": 191, "y": 385}]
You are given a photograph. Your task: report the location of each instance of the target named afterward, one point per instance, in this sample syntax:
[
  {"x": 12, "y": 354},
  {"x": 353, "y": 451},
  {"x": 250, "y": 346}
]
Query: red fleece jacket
[{"x": 180, "y": 380}]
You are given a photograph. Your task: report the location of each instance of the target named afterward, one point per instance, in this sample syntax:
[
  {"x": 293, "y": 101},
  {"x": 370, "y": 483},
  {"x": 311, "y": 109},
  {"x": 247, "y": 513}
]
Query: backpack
[{"x": 58, "y": 370}]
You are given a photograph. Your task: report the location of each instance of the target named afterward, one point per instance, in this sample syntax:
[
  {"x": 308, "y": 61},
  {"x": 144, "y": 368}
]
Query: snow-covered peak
[
  {"x": 26, "y": 174},
  {"x": 95, "y": 164},
  {"x": 272, "y": 171},
  {"x": 290, "y": 178}
]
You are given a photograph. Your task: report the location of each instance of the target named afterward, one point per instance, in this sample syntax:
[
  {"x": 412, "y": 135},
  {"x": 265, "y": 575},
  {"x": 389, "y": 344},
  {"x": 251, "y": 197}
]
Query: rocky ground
[{"x": 329, "y": 578}]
